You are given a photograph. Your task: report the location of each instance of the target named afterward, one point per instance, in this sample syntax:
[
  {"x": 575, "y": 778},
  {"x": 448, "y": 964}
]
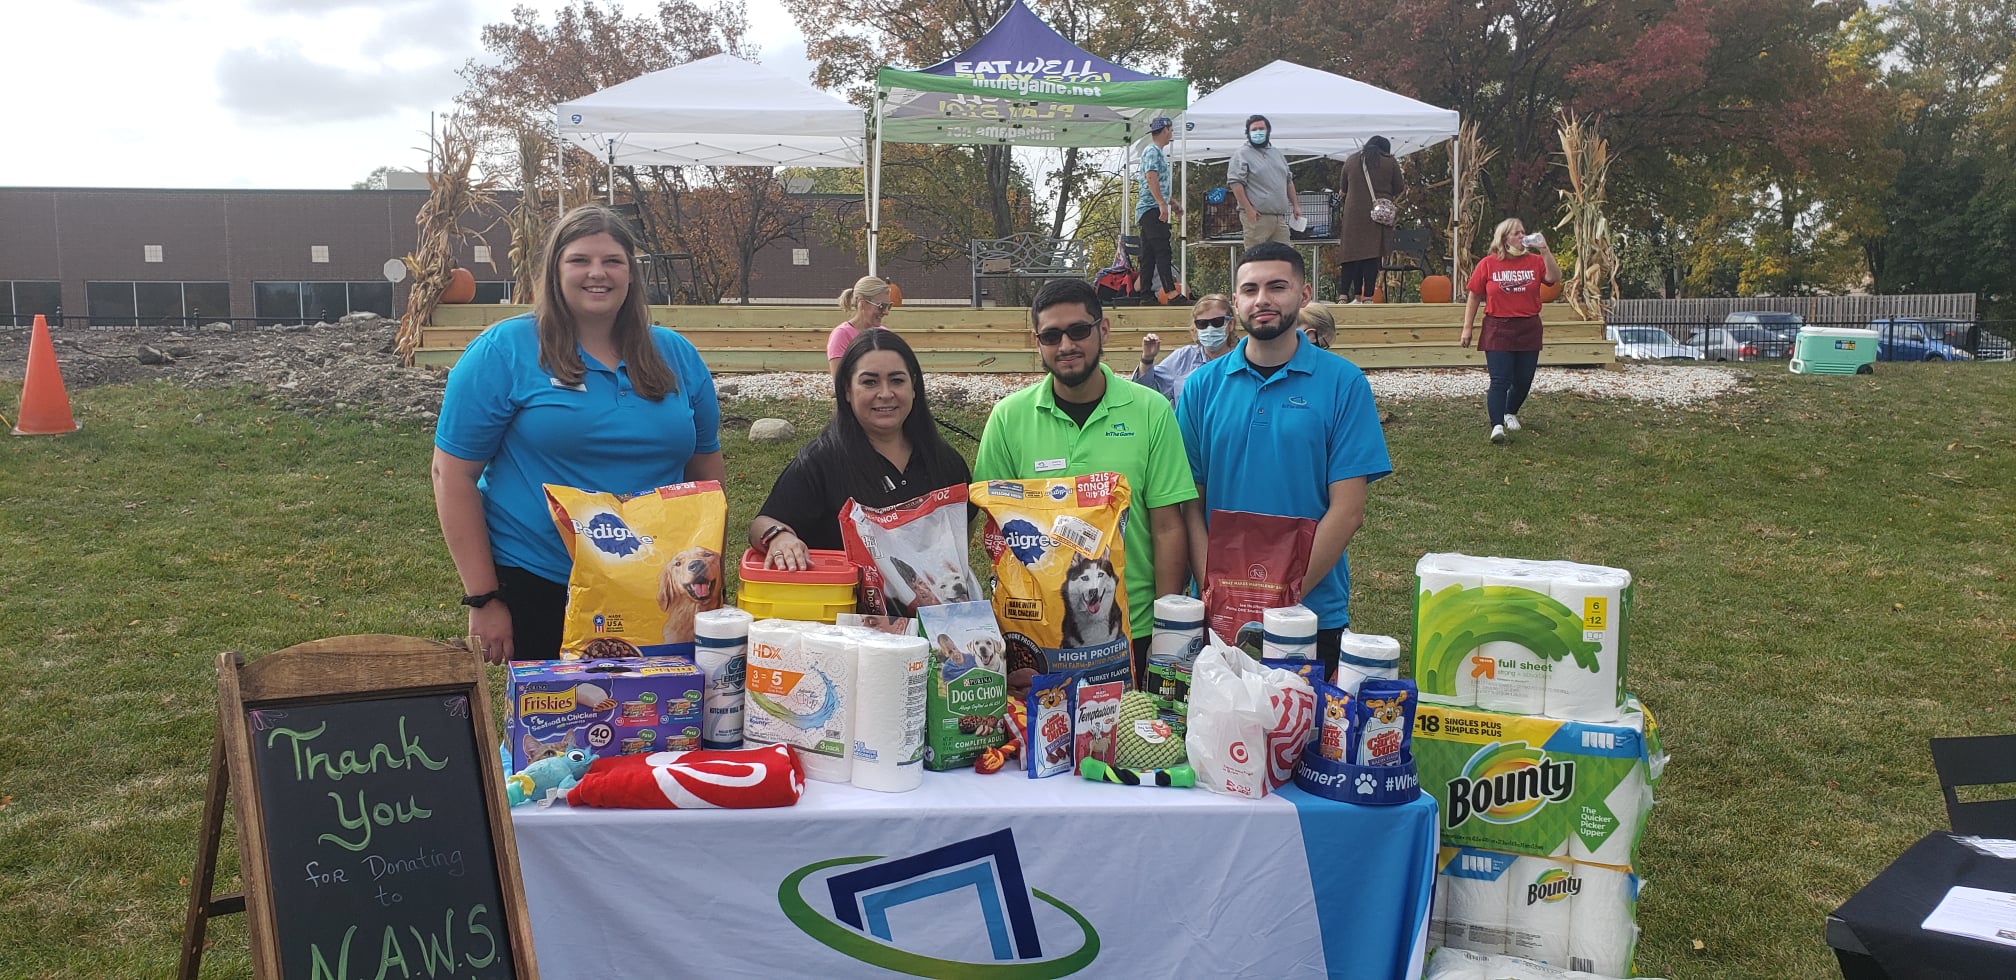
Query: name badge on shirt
[
  {"x": 1051, "y": 465},
  {"x": 581, "y": 386}
]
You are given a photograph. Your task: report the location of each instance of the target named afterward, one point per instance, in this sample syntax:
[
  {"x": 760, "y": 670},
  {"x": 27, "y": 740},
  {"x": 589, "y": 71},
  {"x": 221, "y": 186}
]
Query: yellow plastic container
[{"x": 818, "y": 595}]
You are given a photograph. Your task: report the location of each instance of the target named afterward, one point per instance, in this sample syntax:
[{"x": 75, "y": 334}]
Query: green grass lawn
[{"x": 1823, "y": 583}]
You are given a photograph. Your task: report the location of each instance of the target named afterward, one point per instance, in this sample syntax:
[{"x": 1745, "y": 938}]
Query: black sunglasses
[
  {"x": 1077, "y": 331},
  {"x": 1216, "y": 321}
]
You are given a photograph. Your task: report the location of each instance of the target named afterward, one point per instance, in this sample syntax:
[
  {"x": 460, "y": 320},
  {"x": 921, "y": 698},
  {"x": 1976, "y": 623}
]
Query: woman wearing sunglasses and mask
[
  {"x": 1210, "y": 325},
  {"x": 869, "y": 299}
]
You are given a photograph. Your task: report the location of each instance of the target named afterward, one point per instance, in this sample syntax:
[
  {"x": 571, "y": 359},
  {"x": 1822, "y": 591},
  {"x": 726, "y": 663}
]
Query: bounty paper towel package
[
  {"x": 1540, "y": 785},
  {"x": 1533, "y": 908},
  {"x": 1458, "y": 964},
  {"x": 609, "y": 707},
  {"x": 1507, "y": 634}
]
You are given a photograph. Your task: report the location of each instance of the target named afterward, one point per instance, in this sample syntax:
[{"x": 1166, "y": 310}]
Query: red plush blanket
[{"x": 730, "y": 779}]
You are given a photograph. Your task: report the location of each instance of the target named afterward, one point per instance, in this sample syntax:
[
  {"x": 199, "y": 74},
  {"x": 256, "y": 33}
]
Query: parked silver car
[
  {"x": 1741, "y": 344},
  {"x": 1640, "y": 343}
]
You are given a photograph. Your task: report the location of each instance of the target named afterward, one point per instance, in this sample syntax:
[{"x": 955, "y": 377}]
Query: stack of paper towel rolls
[
  {"x": 1564, "y": 913},
  {"x": 721, "y": 651},
  {"x": 1289, "y": 633},
  {"x": 1522, "y": 637}
]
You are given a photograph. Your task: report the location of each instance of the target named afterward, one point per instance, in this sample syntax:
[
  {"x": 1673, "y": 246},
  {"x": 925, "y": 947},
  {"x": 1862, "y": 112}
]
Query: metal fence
[
  {"x": 1898, "y": 339},
  {"x": 1814, "y": 309},
  {"x": 195, "y": 321}
]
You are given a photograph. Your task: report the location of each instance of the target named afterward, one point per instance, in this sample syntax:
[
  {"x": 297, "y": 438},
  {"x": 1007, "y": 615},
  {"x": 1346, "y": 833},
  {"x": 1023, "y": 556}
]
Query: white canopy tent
[
  {"x": 719, "y": 111},
  {"x": 1315, "y": 114}
]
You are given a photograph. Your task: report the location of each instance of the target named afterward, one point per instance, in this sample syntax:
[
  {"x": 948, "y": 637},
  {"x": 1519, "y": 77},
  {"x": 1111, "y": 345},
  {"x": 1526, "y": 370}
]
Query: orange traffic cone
[{"x": 45, "y": 406}]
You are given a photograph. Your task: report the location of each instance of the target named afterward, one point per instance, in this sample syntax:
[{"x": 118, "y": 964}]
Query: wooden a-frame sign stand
[{"x": 289, "y": 714}]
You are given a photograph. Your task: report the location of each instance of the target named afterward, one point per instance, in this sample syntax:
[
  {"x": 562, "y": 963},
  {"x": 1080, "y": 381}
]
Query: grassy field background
[{"x": 1823, "y": 583}]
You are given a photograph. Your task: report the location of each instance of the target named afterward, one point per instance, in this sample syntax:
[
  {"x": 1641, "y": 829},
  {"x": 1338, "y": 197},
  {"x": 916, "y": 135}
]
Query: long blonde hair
[
  {"x": 865, "y": 288},
  {"x": 1498, "y": 249},
  {"x": 559, "y": 335}
]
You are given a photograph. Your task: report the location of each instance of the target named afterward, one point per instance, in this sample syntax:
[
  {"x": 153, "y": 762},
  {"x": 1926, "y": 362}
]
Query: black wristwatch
[
  {"x": 479, "y": 601},
  {"x": 763, "y": 540}
]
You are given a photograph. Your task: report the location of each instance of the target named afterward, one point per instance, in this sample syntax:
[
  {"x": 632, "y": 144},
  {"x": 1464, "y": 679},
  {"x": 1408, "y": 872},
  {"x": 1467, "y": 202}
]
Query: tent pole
[
  {"x": 612, "y": 172},
  {"x": 1183, "y": 228},
  {"x": 559, "y": 179},
  {"x": 875, "y": 191},
  {"x": 1455, "y": 204}
]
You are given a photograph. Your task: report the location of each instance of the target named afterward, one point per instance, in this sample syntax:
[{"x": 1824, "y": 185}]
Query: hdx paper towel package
[
  {"x": 1569, "y": 915},
  {"x": 1540, "y": 786},
  {"x": 801, "y": 693},
  {"x": 1522, "y": 637}
]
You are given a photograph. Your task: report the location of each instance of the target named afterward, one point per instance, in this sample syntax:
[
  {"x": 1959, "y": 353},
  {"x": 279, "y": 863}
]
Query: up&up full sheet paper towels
[
  {"x": 1540, "y": 786},
  {"x": 1521, "y": 637}
]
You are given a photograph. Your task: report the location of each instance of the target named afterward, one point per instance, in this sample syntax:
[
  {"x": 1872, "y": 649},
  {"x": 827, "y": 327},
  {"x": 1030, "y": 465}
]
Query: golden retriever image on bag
[
  {"x": 1060, "y": 565},
  {"x": 644, "y": 565}
]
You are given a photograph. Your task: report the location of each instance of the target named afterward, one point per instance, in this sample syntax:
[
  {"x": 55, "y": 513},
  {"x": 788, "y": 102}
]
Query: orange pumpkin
[
  {"x": 461, "y": 286},
  {"x": 1436, "y": 289},
  {"x": 895, "y": 294},
  {"x": 1550, "y": 291}
]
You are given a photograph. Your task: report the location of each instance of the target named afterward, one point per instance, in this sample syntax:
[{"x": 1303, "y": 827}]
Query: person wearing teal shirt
[{"x": 1086, "y": 419}]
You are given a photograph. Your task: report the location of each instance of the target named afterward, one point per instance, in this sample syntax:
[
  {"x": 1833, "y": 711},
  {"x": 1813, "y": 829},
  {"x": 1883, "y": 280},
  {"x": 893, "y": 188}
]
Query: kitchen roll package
[
  {"x": 1532, "y": 908},
  {"x": 1365, "y": 656},
  {"x": 1539, "y": 785},
  {"x": 801, "y": 693},
  {"x": 1288, "y": 633},
  {"x": 1179, "y": 631},
  {"x": 1458, "y": 964},
  {"x": 721, "y": 651},
  {"x": 1505, "y": 634},
  {"x": 889, "y": 683}
]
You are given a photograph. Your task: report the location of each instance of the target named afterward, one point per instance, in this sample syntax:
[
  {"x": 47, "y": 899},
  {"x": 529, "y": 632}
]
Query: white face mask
[{"x": 1211, "y": 338}]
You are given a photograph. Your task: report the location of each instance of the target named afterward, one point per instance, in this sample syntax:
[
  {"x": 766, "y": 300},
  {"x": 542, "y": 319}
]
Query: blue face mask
[
  {"x": 1258, "y": 137},
  {"x": 1212, "y": 338}
]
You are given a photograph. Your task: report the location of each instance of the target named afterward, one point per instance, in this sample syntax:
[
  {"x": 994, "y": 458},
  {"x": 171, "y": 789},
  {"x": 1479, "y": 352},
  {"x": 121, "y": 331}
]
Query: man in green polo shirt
[{"x": 1086, "y": 419}]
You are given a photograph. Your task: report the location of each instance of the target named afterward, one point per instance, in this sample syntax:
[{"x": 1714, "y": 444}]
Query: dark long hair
[
  {"x": 844, "y": 439},
  {"x": 558, "y": 332}
]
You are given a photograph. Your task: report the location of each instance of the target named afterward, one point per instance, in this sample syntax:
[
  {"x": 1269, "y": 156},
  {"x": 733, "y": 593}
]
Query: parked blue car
[{"x": 1910, "y": 339}]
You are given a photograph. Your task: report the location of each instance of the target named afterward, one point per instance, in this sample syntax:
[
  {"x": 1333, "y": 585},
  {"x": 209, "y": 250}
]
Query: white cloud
[{"x": 282, "y": 84}]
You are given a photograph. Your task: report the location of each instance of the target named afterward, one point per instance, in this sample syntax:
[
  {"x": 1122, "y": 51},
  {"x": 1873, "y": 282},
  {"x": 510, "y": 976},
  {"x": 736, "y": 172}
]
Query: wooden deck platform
[{"x": 752, "y": 339}]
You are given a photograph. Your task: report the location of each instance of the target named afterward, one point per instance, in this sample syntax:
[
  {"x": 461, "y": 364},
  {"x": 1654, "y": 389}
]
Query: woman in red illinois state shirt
[{"x": 1507, "y": 284}]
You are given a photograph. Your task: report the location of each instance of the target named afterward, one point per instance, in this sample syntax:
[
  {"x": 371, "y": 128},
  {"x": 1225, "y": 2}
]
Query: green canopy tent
[{"x": 1021, "y": 84}]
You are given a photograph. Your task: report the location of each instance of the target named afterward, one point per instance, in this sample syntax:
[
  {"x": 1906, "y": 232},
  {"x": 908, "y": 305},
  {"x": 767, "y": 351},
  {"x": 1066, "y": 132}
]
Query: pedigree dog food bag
[
  {"x": 1058, "y": 561},
  {"x": 644, "y": 565}
]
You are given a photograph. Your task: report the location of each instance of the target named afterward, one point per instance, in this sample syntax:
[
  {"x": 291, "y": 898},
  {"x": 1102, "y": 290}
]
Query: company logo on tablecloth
[{"x": 913, "y": 914}]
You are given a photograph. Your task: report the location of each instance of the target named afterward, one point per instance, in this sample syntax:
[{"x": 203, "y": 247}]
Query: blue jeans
[{"x": 1511, "y": 380}]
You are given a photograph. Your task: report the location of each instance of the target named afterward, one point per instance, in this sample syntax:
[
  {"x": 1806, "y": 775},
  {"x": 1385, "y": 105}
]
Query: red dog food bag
[
  {"x": 911, "y": 555},
  {"x": 1257, "y": 562}
]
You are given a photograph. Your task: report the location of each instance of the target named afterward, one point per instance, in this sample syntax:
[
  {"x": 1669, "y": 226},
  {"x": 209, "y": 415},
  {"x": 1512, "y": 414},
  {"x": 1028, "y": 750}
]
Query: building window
[
  {"x": 483, "y": 254},
  {"x": 492, "y": 292},
  {"x": 156, "y": 304},
  {"x": 276, "y": 302},
  {"x": 308, "y": 302},
  {"x": 20, "y": 301},
  {"x": 151, "y": 253},
  {"x": 801, "y": 256},
  {"x": 318, "y": 253},
  {"x": 110, "y": 304}
]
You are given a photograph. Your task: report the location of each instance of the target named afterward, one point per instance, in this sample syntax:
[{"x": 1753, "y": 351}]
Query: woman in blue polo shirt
[{"x": 584, "y": 392}]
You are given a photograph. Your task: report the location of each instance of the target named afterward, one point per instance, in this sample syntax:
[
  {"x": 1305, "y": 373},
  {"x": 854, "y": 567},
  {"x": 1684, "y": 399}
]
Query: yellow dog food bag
[
  {"x": 644, "y": 564},
  {"x": 1059, "y": 566}
]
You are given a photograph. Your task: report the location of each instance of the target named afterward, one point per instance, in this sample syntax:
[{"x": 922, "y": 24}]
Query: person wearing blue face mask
[
  {"x": 1258, "y": 175},
  {"x": 1210, "y": 324}
]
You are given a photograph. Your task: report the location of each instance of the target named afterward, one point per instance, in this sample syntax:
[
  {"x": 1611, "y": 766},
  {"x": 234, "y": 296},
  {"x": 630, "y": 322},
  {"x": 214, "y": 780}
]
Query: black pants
[
  {"x": 1155, "y": 254},
  {"x": 1330, "y": 643},
  {"x": 1358, "y": 279},
  {"x": 538, "y": 611},
  {"x": 1511, "y": 380}
]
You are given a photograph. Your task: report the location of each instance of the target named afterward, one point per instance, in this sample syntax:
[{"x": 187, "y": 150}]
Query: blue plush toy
[{"x": 548, "y": 777}]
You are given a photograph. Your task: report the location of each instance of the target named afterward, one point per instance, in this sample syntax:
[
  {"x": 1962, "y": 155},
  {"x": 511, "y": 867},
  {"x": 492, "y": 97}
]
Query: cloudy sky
[{"x": 251, "y": 93}]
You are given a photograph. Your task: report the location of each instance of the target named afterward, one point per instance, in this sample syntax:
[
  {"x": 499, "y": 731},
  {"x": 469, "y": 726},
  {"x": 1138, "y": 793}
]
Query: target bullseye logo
[{"x": 1238, "y": 751}]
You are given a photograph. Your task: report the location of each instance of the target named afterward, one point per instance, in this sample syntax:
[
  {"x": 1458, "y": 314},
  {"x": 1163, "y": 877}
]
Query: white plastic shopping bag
[{"x": 1248, "y": 723}]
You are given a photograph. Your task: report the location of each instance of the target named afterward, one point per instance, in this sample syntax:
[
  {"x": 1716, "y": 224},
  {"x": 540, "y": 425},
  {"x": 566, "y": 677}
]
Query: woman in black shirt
[{"x": 881, "y": 448}]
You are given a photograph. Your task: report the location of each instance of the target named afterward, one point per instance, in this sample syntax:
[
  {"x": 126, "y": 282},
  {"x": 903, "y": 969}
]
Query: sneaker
[
  {"x": 1511, "y": 422},
  {"x": 1499, "y": 435}
]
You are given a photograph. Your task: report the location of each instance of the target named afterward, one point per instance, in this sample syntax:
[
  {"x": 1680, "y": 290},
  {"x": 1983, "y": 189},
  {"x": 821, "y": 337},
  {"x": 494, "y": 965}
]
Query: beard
[
  {"x": 1073, "y": 377},
  {"x": 1282, "y": 324}
]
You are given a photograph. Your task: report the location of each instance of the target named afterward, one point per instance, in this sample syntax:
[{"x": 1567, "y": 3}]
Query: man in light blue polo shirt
[{"x": 1281, "y": 427}]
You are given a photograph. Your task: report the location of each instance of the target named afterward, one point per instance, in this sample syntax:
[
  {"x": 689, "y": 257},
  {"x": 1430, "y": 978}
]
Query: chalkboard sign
[{"x": 372, "y": 829}]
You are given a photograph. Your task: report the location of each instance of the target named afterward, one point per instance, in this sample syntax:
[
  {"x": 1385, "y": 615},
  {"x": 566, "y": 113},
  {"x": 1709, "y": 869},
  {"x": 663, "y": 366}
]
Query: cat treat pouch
[
  {"x": 644, "y": 565},
  {"x": 1059, "y": 593}
]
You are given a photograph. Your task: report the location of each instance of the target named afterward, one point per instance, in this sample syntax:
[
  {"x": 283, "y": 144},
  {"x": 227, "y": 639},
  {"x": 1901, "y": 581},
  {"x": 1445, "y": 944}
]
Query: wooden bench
[{"x": 1027, "y": 255}]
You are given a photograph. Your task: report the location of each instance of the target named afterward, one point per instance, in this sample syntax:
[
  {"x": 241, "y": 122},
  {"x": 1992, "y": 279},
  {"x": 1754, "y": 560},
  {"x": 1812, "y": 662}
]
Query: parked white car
[{"x": 1636, "y": 343}]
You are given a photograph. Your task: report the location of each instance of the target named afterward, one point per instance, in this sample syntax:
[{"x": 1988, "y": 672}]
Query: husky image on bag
[{"x": 1092, "y": 616}]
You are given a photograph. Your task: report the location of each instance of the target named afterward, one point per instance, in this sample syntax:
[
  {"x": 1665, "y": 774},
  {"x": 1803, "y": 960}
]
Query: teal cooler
[{"x": 1834, "y": 350}]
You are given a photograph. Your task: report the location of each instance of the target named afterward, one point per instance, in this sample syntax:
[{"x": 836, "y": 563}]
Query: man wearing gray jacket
[{"x": 1259, "y": 178}]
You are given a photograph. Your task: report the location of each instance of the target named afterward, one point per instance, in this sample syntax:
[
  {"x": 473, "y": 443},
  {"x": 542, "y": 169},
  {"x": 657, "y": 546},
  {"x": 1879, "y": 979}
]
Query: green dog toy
[{"x": 1179, "y": 776}]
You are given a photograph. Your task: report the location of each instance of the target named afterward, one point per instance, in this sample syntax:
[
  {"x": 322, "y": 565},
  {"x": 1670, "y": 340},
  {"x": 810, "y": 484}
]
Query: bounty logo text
[{"x": 1504, "y": 784}]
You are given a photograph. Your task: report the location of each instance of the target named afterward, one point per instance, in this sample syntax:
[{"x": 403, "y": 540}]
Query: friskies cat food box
[{"x": 609, "y": 707}]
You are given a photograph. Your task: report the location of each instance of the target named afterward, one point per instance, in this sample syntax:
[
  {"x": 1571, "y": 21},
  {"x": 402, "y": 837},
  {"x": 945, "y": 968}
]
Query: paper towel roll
[
  {"x": 1362, "y": 656},
  {"x": 889, "y": 712},
  {"x": 720, "y": 650},
  {"x": 1541, "y": 911},
  {"x": 1436, "y": 574},
  {"x": 1598, "y": 596},
  {"x": 1480, "y": 891},
  {"x": 1438, "y": 914},
  {"x": 835, "y": 652},
  {"x": 1630, "y": 802},
  {"x": 1290, "y": 633},
  {"x": 1462, "y": 964},
  {"x": 1606, "y": 929},
  {"x": 1179, "y": 630},
  {"x": 1515, "y": 685}
]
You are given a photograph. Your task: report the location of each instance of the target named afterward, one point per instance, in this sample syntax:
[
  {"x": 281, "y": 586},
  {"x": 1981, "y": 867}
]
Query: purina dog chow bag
[
  {"x": 966, "y": 691},
  {"x": 644, "y": 565},
  {"x": 1058, "y": 567}
]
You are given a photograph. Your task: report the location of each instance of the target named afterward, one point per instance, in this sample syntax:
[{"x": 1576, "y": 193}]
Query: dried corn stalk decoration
[
  {"x": 453, "y": 191},
  {"x": 1586, "y": 155},
  {"x": 1472, "y": 155},
  {"x": 528, "y": 226}
]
